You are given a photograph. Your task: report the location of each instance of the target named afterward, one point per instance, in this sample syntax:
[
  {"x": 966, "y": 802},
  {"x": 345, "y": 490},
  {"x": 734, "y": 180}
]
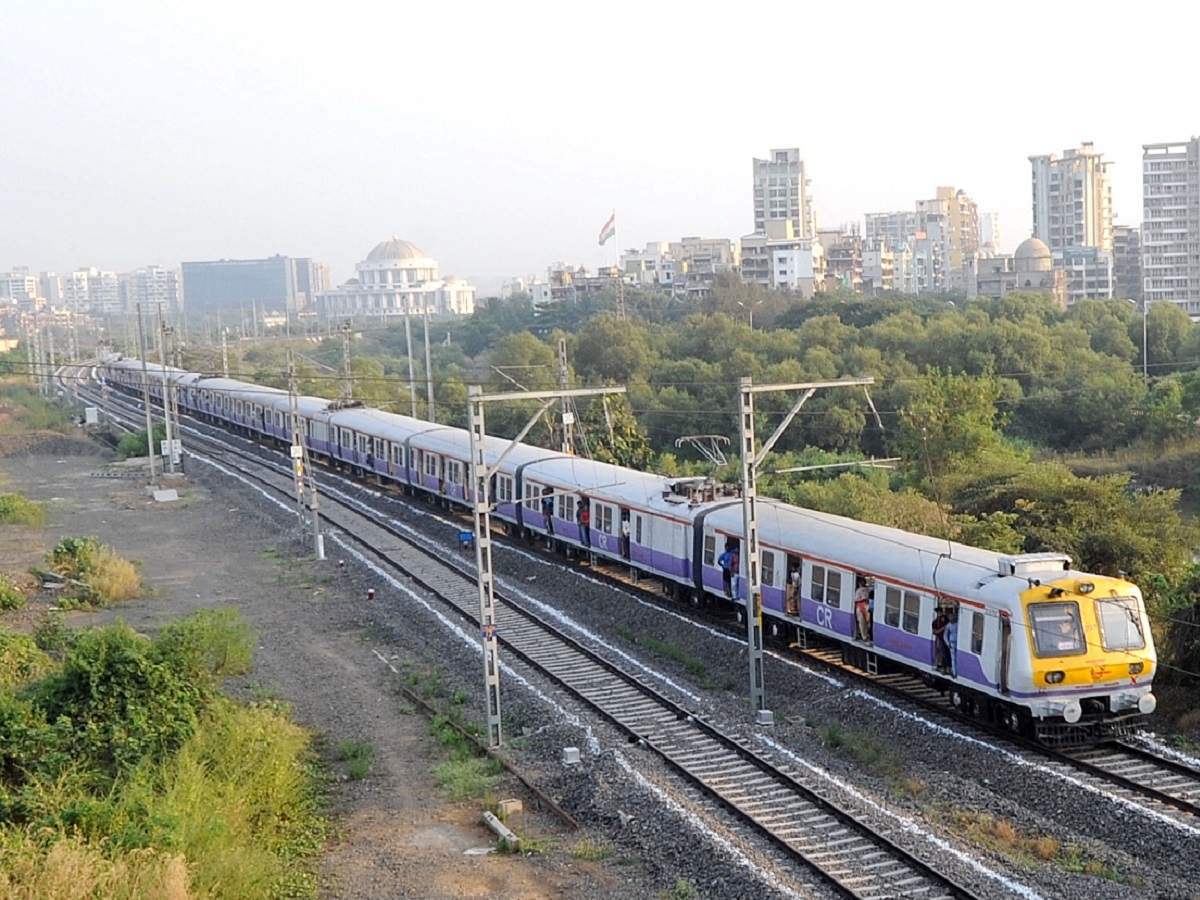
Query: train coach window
[
  {"x": 891, "y": 607},
  {"x": 826, "y": 585},
  {"x": 912, "y": 612},
  {"x": 504, "y": 488},
  {"x": 566, "y": 507},
  {"x": 768, "y": 568},
  {"x": 977, "y": 621},
  {"x": 1120, "y": 624},
  {"x": 710, "y": 549},
  {"x": 604, "y": 519},
  {"x": 1057, "y": 630}
]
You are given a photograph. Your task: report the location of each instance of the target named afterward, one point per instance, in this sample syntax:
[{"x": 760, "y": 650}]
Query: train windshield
[
  {"x": 1057, "y": 630},
  {"x": 1120, "y": 624}
]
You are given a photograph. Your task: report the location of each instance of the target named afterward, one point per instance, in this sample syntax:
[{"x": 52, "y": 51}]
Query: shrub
[
  {"x": 114, "y": 579},
  {"x": 98, "y": 575},
  {"x": 208, "y": 645},
  {"x": 69, "y": 867},
  {"x": 53, "y": 635},
  {"x": 134, "y": 443},
  {"x": 358, "y": 756},
  {"x": 74, "y": 557},
  {"x": 21, "y": 660},
  {"x": 11, "y": 597},
  {"x": 125, "y": 703},
  {"x": 18, "y": 510}
]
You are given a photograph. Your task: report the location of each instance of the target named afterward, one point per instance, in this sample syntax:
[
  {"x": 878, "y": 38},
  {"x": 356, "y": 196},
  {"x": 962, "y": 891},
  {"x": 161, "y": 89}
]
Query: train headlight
[
  {"x": 1136, "y": 668},
  {"x": 1072, "y": 712},
  {"x": 1085, "y": 587},
  {"x": 1147, "y": 703},
  {"x": 1055, "y": 677}
]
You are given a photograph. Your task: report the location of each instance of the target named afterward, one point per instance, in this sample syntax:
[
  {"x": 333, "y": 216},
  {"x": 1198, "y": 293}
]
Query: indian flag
[{"x": 609, "y": 229}]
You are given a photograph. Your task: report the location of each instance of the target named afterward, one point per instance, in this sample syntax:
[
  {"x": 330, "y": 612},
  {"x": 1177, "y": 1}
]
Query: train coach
[{"x": 1040, "y": 648}]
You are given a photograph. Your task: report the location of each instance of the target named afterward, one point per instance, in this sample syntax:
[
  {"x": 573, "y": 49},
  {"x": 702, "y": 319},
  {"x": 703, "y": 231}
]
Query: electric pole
[
  {"x": 428, "y": 370},
  {"x": 568, "y": 418},
  {"x": 347, "y": 374},
  {"x": 146, "y": 390},
  {"x": 166, "y": 390},
  {"x": 751, "y": 577},
  {"x": 302, "y": 470},
  {"x": 224, "y": 353},
  {"x": 412, "y": 376},
  {"x": 481, "y": 476}
]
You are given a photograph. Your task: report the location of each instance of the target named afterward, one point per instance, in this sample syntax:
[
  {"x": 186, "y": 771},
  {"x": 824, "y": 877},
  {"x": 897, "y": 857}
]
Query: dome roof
[
  {"x": 1032, "y": 248},
  {"x": 394, "y": 248}
]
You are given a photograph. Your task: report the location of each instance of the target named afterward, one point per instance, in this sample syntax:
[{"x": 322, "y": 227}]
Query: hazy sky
[{"x": 499, "y": 136}]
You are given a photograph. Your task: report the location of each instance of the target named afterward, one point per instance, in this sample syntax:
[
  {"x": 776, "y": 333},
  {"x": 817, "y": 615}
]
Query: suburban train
[{"x": 1062, "y": 656}]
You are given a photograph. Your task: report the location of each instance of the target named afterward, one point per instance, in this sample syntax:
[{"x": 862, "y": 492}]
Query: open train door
[{"x": 1005, "y": 650}]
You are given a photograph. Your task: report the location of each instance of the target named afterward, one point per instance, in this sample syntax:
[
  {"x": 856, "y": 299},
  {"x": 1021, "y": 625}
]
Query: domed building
[
  {"x": 395, "y": 279},
  {"x": 1030, "y": 271}
]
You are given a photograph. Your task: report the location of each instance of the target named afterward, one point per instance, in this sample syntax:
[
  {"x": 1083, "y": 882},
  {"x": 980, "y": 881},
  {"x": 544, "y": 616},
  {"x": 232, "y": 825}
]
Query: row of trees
[{"x": 975, "y": 397}]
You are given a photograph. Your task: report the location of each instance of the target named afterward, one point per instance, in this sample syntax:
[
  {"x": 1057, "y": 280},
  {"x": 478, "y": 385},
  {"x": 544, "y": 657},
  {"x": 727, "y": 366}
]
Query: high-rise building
[
  {"x": 18, "y": 286},
  {"x": 1072, "y": 200},
  {"x": 778, "y": 258},
  {"x": 152, "y": 287},
  {"x": 781, "y": 193},
  {"x": 1171, "y": 223},
  {"x": 843, "y": 251},
  {"x": 989, "y": 233},
  {"x": 239, "y": 285},
  {"x": 1127, "y": 262}
]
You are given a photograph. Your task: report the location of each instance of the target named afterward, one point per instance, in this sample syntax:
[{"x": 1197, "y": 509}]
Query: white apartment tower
[
  {"x": 1072, "y": 200},
  {"x": 781, "y": 192},
  {"x": 1171, "y": 224}
]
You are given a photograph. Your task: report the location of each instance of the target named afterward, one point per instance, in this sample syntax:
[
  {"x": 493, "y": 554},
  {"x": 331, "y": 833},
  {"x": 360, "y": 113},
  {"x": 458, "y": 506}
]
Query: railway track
[{"x": 853, "y": 857}]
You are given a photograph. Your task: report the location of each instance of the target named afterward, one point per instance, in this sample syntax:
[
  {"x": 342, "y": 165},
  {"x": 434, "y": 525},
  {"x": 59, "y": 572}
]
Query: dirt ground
[{"x": 395, "y": 832}]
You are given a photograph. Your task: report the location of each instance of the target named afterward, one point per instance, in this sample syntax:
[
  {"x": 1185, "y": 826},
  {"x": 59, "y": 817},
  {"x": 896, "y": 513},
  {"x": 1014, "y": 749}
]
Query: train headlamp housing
[
  {"x": 1085, "y": 587},
  {"x": 1055, "y": 677},
  {"x": 1136, "y": 668}
]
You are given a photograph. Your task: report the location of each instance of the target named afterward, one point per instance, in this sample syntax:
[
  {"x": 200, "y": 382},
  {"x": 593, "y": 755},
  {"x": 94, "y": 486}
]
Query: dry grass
[
  {"x": 69, "y": 869},
  {"x": 1003, "y": 836},
  {"x": 114, "y": 579}
]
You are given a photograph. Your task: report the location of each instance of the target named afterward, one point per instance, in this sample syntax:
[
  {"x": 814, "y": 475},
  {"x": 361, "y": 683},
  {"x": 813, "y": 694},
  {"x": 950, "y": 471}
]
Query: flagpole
[{"x": 617, "y": 266}]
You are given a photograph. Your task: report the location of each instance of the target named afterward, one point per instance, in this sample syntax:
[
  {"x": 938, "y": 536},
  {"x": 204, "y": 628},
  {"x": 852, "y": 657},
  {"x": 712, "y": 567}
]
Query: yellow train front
[{"x": 1082, "y": 659}]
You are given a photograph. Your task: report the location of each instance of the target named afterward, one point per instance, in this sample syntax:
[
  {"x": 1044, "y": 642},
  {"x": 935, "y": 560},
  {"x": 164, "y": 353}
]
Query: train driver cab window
[
  {"x": 1057, "y": 630},
  {"x": 1120, "y": 624},
  {"x": 710, "y": 549},
  {"x": 825, "y": 585}
]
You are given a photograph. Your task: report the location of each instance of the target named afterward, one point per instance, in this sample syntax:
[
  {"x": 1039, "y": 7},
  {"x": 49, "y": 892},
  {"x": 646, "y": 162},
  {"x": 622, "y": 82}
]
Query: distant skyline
[{"x": 499, "y": 138}]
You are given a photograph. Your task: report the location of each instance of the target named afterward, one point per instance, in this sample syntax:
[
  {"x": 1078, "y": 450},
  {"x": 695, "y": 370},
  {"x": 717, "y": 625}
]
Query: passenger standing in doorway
[
  {"x": 585, "y": 522},
  {"x": 625, "y": 533},
  {"x": 940, "y": 656},
  {"x": 793, "y": 592},
  {"x": 952, "y": 643},
  {"x": 725, "y": 562},
  {"x": 735, "y": 570},
  {"x": 862, "y": 608},
  {"x": 548, "y": 511}
]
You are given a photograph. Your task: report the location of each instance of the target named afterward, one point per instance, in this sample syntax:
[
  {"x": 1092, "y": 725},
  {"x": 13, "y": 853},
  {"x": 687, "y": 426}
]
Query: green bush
[
  {"x": 208, "y": 645},
  {"x": 126, "y": 703},
  {"x": 21, "y": 660},
  {"x": 74, "y": 557},
  {"x": 11, "y": 597},
  {"x": 18, "y": 510},
  {"x": 98, "y": 574},
  {"x": 134, "y": 443}
]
